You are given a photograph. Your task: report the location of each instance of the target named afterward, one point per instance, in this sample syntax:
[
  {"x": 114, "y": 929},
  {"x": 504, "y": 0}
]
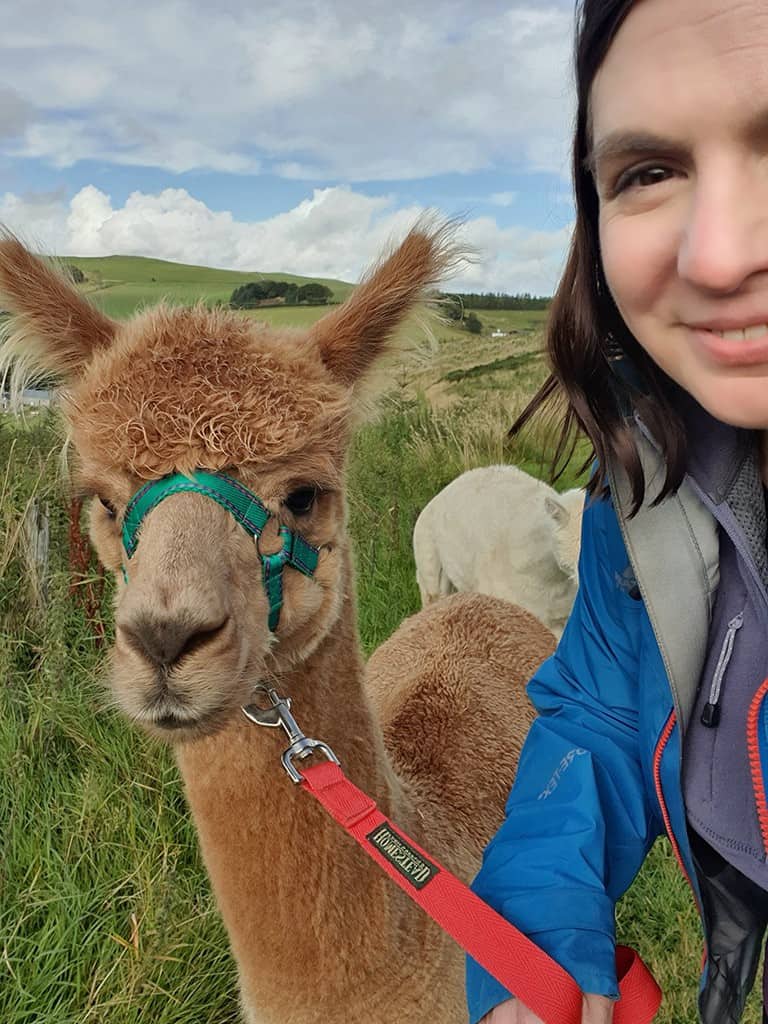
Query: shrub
[{"x": 473, "y": 323}]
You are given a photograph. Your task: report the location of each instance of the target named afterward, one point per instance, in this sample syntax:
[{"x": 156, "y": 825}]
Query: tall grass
[{"x": 105, "y": 911}]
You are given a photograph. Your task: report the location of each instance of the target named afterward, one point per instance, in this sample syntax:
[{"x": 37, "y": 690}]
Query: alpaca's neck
[{"x": 296, "y": 894}]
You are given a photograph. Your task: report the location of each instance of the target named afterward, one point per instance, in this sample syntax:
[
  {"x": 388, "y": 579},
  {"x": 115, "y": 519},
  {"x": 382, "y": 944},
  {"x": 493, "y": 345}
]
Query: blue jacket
[{"x": 599, "y": 777}]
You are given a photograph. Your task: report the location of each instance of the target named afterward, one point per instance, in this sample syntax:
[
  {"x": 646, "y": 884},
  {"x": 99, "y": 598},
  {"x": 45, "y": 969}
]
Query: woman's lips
[{"x": 732, "y": 351}]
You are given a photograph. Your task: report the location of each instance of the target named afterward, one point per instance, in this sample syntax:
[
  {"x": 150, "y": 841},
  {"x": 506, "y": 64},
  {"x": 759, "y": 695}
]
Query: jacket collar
[{"x": 716, "y": 451}]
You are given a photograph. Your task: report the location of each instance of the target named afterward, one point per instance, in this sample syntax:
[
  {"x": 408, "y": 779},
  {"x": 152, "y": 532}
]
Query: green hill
[{"x": 121, "y": 284}]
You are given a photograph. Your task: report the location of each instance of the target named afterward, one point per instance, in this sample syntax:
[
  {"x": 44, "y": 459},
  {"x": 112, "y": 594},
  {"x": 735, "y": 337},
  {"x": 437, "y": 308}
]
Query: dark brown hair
[{"x": 598, "y": 367}]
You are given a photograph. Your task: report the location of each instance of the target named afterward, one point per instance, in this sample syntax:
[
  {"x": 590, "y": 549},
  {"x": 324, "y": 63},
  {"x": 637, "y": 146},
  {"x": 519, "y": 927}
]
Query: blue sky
[{"x": 299, "y": 136}]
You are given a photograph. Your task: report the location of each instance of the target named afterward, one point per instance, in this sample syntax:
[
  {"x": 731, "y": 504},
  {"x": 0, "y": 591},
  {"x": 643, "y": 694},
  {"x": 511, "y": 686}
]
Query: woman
[{"x": 653, "y": 711}]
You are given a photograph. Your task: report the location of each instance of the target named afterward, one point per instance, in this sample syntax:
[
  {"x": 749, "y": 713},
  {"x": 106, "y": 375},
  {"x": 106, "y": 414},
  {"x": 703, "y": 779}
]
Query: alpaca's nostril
[
  {"x": 166, "y": 641},
  {"x": 200, "y": 638}
]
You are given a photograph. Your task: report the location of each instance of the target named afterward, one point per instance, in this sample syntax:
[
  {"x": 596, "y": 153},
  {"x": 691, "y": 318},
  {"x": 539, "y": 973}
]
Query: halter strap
[{"x": 245, "y": 507}]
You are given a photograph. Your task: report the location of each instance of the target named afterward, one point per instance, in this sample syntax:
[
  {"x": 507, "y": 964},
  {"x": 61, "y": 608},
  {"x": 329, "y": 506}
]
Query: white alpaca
[{"x": 500, "y": 531}]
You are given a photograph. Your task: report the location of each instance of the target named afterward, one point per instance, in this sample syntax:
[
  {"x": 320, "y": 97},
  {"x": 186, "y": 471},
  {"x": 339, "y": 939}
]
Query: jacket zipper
[
  {"x": 753, "y": 749},
  {"x": 710, "y": 716},
  {"x": 657, "y": 756}
]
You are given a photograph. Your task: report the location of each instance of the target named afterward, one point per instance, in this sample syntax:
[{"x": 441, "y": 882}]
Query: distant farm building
[{"x": 30, "y": 398}]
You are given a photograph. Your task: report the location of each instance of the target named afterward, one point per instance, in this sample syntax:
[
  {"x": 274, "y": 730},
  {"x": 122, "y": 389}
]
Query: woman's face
[{"x": 679, "y": 116}]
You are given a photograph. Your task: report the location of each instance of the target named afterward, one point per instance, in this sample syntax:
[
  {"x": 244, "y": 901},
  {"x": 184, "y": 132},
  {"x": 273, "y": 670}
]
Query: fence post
[
  {"x": 37, "y": 538},
  {"x": 86, "y": 589}
]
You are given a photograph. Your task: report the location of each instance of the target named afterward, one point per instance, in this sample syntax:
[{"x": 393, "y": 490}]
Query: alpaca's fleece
[
  {"x": 499, "y": 531},
  {"x": 412, "y": 682},
  {"x": 187, "y": 388}
]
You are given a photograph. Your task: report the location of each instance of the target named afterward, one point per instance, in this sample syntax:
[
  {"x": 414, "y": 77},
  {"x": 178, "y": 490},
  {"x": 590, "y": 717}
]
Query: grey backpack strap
[{"x": 674, "y": 551}]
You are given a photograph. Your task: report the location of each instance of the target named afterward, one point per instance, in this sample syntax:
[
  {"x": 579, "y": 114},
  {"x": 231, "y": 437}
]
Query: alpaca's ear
[
  {"x": 353, "y": 336},
  {"x": 52, "y": 328},
  {"x": 556, "y": 511}
]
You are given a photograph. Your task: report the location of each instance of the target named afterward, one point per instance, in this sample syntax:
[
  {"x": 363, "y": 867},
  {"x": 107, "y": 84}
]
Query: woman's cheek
[{"x": 638, "y": 264}]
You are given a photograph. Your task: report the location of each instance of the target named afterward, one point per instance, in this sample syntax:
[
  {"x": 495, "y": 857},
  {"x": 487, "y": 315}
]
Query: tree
[
  {"x": 499, "y": 300},
  {"x": 473, "y": 323},
  {"x": 254, "y": 293},
  {"x": 248, "y": 296},
  {"x": 451, "y": 307},
  {"x": 75, "y": 273},
  {"x": 314, "y": 294}
]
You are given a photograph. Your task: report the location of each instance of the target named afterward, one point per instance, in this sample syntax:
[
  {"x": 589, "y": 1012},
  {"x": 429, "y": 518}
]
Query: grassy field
[
  {"x": 121, "y": 284},
  {"x": 105, "y": 912}
]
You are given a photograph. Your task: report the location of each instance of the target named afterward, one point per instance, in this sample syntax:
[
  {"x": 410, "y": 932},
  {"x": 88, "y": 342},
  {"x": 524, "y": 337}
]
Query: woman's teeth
[{"x": 749, "y": 334}]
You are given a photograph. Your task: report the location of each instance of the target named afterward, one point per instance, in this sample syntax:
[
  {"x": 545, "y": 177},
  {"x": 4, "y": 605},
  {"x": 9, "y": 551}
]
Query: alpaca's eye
[
  {"x": 300, "y": 501},
  {"x": 109, "y": 507}
]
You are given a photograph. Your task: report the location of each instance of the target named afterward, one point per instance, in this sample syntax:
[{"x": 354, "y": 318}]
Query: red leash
[{"x": 517, "y": 963}]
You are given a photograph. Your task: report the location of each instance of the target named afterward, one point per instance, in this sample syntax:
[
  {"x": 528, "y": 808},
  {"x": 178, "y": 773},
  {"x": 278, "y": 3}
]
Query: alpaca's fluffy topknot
[{"x": 186, "y": 388}]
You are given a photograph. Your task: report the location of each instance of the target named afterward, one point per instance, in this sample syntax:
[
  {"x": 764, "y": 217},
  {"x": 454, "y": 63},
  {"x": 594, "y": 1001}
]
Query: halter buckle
[{"x": 278, "y": 715}]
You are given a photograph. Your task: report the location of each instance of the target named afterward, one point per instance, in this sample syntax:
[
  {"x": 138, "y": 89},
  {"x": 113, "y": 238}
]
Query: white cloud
[
  {"x": 515, "y": 259},
  {"x": 65, "y": 143},
  {"x": 353, "y": 90},
  {"x": 39, "y": 217},
  {"x": 336, "y": 232}
]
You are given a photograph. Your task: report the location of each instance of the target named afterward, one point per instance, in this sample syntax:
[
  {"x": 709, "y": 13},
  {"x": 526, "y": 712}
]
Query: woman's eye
[
  {"x": 641, "y": 177},
  {"x": 301, "y": 501},
  {"x": 109, "y": 507}
]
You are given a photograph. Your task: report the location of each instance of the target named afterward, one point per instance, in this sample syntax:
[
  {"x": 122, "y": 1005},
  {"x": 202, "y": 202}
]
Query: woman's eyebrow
[{"x": 623, "y": 144}]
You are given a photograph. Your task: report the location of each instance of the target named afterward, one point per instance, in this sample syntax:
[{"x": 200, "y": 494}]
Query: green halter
[{"x": 247, "y": 510}]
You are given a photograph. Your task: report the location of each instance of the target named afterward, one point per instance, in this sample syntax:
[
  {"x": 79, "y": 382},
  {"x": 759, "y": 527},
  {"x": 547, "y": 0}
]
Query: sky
[{"x": 297, "y": 136}]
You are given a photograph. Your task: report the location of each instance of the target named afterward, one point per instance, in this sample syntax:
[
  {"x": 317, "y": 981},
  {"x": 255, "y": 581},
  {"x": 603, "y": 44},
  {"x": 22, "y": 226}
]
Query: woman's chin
[{"x": 740, "y": 400}]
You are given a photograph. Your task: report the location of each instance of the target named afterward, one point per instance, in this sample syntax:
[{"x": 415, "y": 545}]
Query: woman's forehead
[{"x": 672, "y": 60}]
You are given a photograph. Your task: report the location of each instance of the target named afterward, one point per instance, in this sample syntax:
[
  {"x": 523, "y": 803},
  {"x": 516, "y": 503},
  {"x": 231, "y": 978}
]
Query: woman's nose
[{"x": 725, "y": 235}]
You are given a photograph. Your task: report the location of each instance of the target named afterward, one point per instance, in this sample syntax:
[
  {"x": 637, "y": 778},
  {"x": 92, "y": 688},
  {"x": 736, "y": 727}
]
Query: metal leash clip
[{"x": 279, "y": 714}]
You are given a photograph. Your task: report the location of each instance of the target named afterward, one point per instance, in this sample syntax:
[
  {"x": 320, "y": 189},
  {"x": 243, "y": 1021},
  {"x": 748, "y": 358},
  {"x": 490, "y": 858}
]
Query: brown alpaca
[{"x": 433, "y": 733}]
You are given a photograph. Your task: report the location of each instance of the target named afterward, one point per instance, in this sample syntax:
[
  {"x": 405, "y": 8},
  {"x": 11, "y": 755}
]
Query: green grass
[
  {"x": 288, "y": 316},
  {"x": 105, "y": 914},
  {"x": 520, "y": 320},
  {"x": 105, "y": 911},
  {"x": 119, "y": 285},
  {"x": 507, "y": 363}
]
